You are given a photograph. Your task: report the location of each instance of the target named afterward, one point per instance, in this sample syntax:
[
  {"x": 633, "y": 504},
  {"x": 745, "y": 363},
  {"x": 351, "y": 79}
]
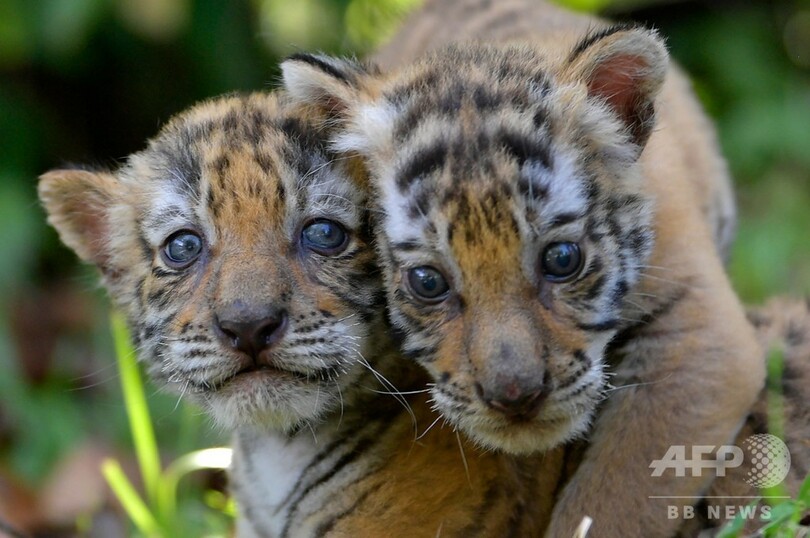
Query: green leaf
[
  {"x": 210, "y": 458},
  {"x": 143, "y": 434},
  {"x": 134, "y": 506},
  {"x": 733, "y": 528},
  {"x": 584, "y": 5},
  {"x": 804, "y": 492},
  {"x": 780, "y": 517},
  {"x": 371, "y": 22}
]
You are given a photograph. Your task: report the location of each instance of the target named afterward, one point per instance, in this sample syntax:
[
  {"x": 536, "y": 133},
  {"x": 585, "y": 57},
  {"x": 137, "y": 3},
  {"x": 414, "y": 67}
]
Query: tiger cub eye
[
  {"x": 561, "y": 262},
  {"x": 182, "y": 249},
  {"x": 324, "y": 236},
  {"x": 428, "y": 284}
]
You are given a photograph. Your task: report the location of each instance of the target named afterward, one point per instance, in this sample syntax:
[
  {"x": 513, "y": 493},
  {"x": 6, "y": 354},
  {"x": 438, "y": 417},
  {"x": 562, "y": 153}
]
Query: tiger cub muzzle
[{"x": 517, "y": 375}]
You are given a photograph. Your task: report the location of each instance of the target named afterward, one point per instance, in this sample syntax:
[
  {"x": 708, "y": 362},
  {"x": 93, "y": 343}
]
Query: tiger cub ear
[
  {"x": 78, "y": 204},
  {"x": 332, "y": 84},
  {"x": 346, "y": 91},
  {"x": 623, "y": 66}
]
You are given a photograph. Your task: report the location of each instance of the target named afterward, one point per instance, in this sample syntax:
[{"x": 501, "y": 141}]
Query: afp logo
[{"x": 767, "y": 455}]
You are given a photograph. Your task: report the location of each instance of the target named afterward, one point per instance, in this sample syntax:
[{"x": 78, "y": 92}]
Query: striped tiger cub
[
  {"x": 237, "y": 245},
  {"x": 547, "y": 257}
]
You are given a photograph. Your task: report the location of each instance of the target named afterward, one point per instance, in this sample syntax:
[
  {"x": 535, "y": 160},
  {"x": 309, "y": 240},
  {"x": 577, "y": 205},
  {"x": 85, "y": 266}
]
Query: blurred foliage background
[{"x": 89, "y": 81}]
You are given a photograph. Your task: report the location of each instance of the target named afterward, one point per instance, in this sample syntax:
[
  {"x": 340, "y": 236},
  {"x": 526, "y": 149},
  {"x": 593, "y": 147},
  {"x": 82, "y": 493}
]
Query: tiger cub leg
[
  {"x": 783, "y": 325},
  {"x": 686, "y": 377}
]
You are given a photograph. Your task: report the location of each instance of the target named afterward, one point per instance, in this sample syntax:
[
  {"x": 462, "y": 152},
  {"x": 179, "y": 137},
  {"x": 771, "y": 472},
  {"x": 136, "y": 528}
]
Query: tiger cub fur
[
  {"x": 539, "y": 236},
  {"x": 782, "y": 325},
  {"x": 237, "y": 245}
]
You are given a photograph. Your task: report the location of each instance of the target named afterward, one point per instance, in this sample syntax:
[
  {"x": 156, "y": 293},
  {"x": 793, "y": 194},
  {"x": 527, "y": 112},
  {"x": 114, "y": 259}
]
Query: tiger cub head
[
  {"x": 514, "y": 223},
  {"x": 238, "y": 249}
]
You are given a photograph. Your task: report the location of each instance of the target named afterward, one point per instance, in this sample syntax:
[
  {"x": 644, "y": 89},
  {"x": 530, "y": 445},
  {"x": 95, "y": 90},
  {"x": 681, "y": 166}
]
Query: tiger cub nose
[
  {"x": 253, "y": 335},
  {"x": 514, "y": 402}
]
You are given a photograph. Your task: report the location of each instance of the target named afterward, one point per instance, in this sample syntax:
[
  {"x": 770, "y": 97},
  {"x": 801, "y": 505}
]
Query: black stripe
[
  {"x": 323, "y": 65},
  {"x": 160, "y": 297},
  {"x": 404, "y": 246},
  {"x": 414, "y": 324},
  {"x": 195, "y": 339},
  {"x": 528, "y": 188},
  {"x": 562, "y": 219},
  {"x": 484, "y": 99},
  {"x": 423, "y": 162},
  {"x": 359, "y": 449},
  {"x": 516, "y": 520},
  {"x": 601, "y": 326},
  {"x": 571, "y": 460},
  {"x": 595, "y": 267},
  {"x": 584, "y": 387},
  {"x": 348, "y": 435},
  {"x": 146, "y": 248},
  {"x": 231, "y": 122},
  {"x": 305, "y": 138},
  {"x": 185, "y": 161},
  {"x": 214, "y": 204},
  {"x": 351, "y": 295},
  {"x": 524, "y": 149},
  {"x": 584, "y": 364},
  {"x": 486, "y": 507},
  {"x": 159, "y": 272},
  {"x": 596, "y": 288},
  {"x": 418, "y": 206},
  {"x": 426, "y": 353},
  {"x": 266, "y": 163},
  {"x": 148, "y": 331},
  {"x": 329, "y": 524},
  {"x": 632, "y": 331},
  {"x": 597, "y": 36},
  {"x": 618, "y": 292},
  {"x": 540, "y": 117}
]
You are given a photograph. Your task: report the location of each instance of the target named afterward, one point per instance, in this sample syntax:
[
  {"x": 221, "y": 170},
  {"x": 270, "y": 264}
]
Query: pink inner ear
[
  {"x": 78, "y": 203},
  {"x": 89, "y": 222},
  {"x": 93, "y": 223},
  {"x": 618, "y": 81},
  {"x": 333, "y": 106}
]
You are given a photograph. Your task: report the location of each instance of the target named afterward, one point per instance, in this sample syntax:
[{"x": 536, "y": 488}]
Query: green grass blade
[
  {"x": 209, "y": 458},
  {"x": 733, "y": 528},
  {"x": 134, "y": 506},
  {"x": 140, "y": 423},
  {"x": 776, "y": 404},
  {"x": 776, "y": 408},
  {"x": 780, "y": 520},
  {"x": 804, "y": 492}
]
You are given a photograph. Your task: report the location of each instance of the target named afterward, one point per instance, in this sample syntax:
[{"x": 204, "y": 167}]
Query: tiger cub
[
  {"x": 237, "y": 245},
  {"x": 539, "y": 238}
]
